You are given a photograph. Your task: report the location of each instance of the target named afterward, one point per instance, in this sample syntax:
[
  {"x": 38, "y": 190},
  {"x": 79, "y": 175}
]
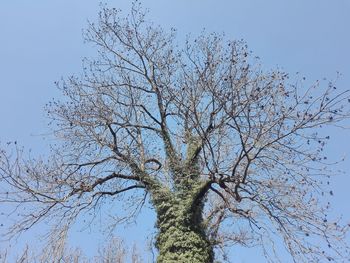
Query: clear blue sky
[{"x": 40, "y": 41}]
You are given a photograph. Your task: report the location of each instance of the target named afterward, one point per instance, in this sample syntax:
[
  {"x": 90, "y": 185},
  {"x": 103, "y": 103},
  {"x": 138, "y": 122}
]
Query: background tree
[
  {"x": 113, "y": 251},
  {"x": 225, "y": 152}
]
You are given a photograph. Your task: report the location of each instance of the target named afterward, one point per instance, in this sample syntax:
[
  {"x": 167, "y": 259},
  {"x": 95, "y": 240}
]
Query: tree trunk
[{"x": 181, "y": 237}]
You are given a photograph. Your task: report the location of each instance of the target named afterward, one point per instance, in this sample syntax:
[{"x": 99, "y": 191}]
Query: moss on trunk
[{"x": 181, "y": 237}]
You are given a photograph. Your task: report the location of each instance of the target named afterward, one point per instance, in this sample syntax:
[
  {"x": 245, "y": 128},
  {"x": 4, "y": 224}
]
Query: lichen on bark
[
  {"x": 181, "y": 232},
  {"x": 181, "y": 236}
]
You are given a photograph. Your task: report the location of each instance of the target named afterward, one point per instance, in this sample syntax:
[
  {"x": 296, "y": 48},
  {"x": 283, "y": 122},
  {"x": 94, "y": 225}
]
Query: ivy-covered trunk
[{"x": 181, "y": 237}]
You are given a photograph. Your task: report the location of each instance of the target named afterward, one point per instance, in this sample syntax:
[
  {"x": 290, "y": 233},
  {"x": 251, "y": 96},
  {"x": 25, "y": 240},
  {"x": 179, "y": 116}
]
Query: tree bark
[{"x": 182, "y": 237}]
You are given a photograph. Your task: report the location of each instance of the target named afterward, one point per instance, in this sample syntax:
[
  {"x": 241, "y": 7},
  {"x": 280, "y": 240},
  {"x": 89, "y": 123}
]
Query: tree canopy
[{"x": 225, "y": 152}]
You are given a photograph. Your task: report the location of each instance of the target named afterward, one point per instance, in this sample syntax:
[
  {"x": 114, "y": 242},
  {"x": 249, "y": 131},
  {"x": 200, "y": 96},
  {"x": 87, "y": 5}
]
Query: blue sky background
[{"x": 41, "y": 41}]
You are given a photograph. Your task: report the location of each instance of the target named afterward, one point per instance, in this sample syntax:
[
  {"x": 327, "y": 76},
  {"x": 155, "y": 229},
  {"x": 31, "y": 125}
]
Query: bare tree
[
  {"x": 112, "y": 252},
  {"x": 228, "y": 154}
]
